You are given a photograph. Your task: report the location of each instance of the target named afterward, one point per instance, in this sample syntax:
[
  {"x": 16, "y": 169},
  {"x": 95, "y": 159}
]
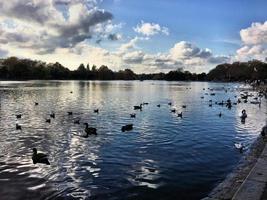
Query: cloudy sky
[{"x": 143, "y": 35}]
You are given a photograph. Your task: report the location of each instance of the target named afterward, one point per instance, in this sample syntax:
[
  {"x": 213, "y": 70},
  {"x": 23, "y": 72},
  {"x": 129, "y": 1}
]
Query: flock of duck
[{"x": 43, "y": 158}]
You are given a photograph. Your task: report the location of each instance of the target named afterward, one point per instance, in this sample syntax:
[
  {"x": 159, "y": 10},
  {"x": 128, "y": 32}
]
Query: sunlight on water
[{"x": 163, "y": 157}]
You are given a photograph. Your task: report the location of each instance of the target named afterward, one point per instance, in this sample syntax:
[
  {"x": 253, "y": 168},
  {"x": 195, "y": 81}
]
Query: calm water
[{"x": 164, "y": 157}]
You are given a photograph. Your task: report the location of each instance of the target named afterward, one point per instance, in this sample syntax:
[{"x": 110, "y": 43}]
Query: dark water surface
[{"x": 164, "y": 157}]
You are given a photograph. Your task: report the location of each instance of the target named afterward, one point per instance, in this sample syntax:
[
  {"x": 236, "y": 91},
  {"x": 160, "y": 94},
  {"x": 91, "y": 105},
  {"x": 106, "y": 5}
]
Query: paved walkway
[{"x": 254, "y": 186}]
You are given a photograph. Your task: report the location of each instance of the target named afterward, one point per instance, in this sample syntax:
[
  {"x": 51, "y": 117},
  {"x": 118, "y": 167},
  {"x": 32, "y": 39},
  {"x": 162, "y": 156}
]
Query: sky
[{"x": 146, "y": 36}]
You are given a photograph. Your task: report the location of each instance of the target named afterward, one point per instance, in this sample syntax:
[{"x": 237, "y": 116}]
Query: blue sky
[
  {"x": 146, "y": 36},
  {"x": 209, "y": 23}
]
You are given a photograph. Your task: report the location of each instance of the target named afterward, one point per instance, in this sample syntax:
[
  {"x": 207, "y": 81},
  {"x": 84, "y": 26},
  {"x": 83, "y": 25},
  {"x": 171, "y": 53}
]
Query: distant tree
[
  {"x": 94, "y": 68},
  {"x": 88, "y": 67}
]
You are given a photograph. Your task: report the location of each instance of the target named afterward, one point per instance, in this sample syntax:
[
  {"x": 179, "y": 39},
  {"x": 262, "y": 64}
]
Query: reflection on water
[{"x": 164, "y": 157}]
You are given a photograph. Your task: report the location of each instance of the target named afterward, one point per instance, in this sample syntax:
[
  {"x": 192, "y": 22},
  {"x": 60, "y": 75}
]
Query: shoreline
[{"x": 233, "y": 181}]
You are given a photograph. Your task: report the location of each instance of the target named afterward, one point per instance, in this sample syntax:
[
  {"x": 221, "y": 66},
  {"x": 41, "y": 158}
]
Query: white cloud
[
  {"x": 150, "y": 29},
  {"x": 185, "y": 50},
  {"x": 254, "y": 40},
  {"x": 39, "y": 25},
  {"x": 256, "y": 34}
]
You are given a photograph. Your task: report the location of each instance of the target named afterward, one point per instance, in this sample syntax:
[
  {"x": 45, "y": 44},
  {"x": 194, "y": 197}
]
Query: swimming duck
[
  {"x": 89, "y": 130},
  {"x": 180, "y": 115},
  {"x": 264, "y": 130},
  {"x": 220, "y": 114},
  {"x": 229, "y": 104},
  {"x": 52, "y": 115},
  {"x": 77, "y": 121},
  {"x": 221, "y": 103},
  {"x": 183, "y": 106},
  {"x": 170, "y": 103},
  {"x": 39, "y": 157},
  {"x": 18, "y": 127},
  {"x": 18, "y": 116},
  {"x": 36, "y": 103},
  {"x": 210, "y": 105},
  {"x": 132, "y": 115},
  {"x": 239, "y": 146},
  {"x": 71, "y": 92},
  {"x": 48, "y": 120},
  {"x": 96, "y": 110},
  {"x": 244, "y": 115},
  {"x": 138, "y": 107},
  {"x": 202, "y": 97},
  {"x": 158, "y": 105},
  {"x": 127, "y": 127},
  {"x": 70, "y": 113},
  {"x": 173, "y": 110},
  {"x": 145, "y": 103}
]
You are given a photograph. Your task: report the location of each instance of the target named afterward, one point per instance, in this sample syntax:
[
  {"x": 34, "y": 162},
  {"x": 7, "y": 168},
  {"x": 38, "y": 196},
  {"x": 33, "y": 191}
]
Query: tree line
[
  {"x": 239, "y": 71},
  {"x": 13, "y": 68}
]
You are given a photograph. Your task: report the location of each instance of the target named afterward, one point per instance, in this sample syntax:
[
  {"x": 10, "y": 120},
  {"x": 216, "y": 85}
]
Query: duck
[
  {"x": 138, "y": 107},
  {"x": 220, "y": 114},
  {"x": 173, "y": 110},
  {"x": 239, "y": 146},
  {"x": 96, "y": 110},
  {"x": 39, "y": 157},
  {"x": 77, "y": 121},
  {"x": 210, "y": 105},
  {"x": 202, "y": 97},
  {"x": 70, "y": 113},
  {"x": 48, "y": 120},
  {"x": 229, "y": 104},
  {"x": 212, "y": 94},
  {"x": 264, "y": 131},
  {"x": 71, "y": 92},
  {"x": 158, "y": 105},
  {"x": 170, "y": 103},
  {"x": 89, "y": 130},
  {"x": 127, "y": 127},
  {"x": 145, "y": 103},
  {"x": 52, "y": 115},
  {"x": 183, "y": 106},
  {"x": 18, "y": 116},
  {"x": 180, "y": 114},
  {"x": 221, "y": 103},
  {"x": 132, "y": 115},
  {"x": 244, "y": 115},
  {"x": 36, "y": 103},
  {"x": 18, "y": 127}
]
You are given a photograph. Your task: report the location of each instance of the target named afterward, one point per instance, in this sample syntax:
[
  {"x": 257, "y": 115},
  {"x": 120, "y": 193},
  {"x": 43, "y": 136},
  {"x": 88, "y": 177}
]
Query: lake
[{"x": 163, "y": 157}]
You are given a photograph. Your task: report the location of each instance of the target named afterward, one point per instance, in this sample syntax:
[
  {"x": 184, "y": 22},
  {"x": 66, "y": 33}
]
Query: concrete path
[{"x": 254, "y": 185}]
